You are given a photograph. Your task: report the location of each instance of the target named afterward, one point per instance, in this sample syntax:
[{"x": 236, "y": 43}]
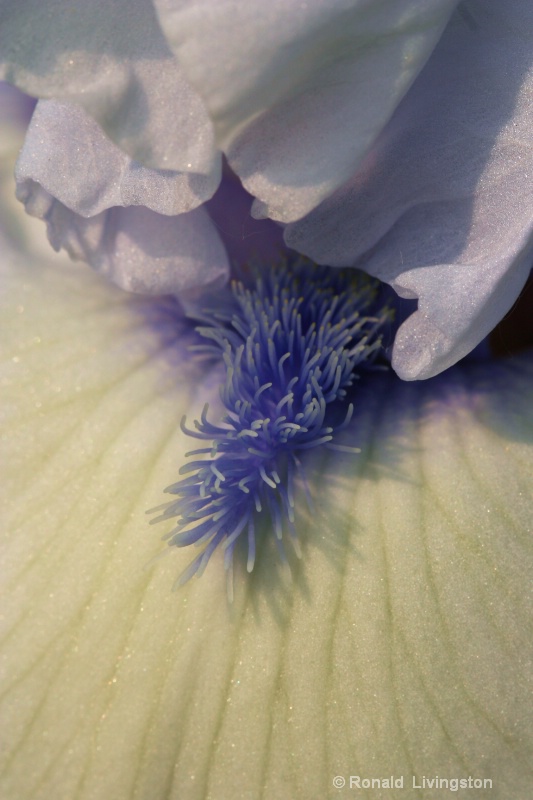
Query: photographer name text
[{"x": 415, "y": 782}]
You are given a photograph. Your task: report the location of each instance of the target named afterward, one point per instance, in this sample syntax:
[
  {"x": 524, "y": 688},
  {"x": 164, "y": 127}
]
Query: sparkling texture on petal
[
  {"x": 442, "y": 208},
  {"x": 402, "y": 645},
  {"x": 138, "y": 249},
  {"x": 69, "y": 155},
  {"x": 299, "y": 91},
  {"x": 112, "y": 59}
]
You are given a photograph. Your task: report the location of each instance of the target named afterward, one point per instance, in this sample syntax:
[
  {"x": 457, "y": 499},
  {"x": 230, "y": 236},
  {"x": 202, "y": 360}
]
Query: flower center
[{"x": 292, "y": 342}]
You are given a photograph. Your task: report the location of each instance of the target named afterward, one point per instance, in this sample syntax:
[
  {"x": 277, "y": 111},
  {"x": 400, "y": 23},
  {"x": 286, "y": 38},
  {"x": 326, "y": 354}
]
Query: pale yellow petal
[{"x": 402, "y": 645}]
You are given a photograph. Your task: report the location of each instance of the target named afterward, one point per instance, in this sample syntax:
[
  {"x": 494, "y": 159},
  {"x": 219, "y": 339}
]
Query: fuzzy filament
[{"x": 293, "y": 341}]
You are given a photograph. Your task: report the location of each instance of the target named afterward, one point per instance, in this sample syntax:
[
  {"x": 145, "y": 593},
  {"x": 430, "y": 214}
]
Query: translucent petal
[
  {"x": 69, "y": 155},
  {"x": 299, "y": 91},
  {"x": 137, "y": 249},
  {"x": 402, "y": 645},
  {"x": 442, "y": 208},
  {"x": 112, "y": 59}
]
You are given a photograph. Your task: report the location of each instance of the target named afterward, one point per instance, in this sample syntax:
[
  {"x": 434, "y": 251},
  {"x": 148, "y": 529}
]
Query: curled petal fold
[
  {"x": 136, "y": 248},
  {"x": 442, "y": 207},
  {"x": 299, "y": 91},
  {"x": 69, "y": 155},
  {"x": 112, "y": 59}
]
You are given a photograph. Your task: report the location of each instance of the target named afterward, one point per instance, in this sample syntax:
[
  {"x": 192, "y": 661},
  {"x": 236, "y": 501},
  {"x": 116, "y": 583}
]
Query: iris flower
[{"x": 399, "y": 644}]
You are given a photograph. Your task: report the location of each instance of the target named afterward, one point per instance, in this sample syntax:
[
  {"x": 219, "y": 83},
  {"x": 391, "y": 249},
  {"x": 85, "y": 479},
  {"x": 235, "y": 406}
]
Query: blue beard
[{"x": 293, "y": 341}]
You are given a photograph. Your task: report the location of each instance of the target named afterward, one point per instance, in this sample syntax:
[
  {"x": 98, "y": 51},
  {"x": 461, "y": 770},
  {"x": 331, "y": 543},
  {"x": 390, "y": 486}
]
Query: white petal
[
  {"x": 443, "y": 206},
  {"x": 68, "y": 154},
  {"x": 138, "y": 249},
  {"x": 299, "y": 91},
  {"x": 403, "y": 645},
  {"x": 112, "y": 59}
]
